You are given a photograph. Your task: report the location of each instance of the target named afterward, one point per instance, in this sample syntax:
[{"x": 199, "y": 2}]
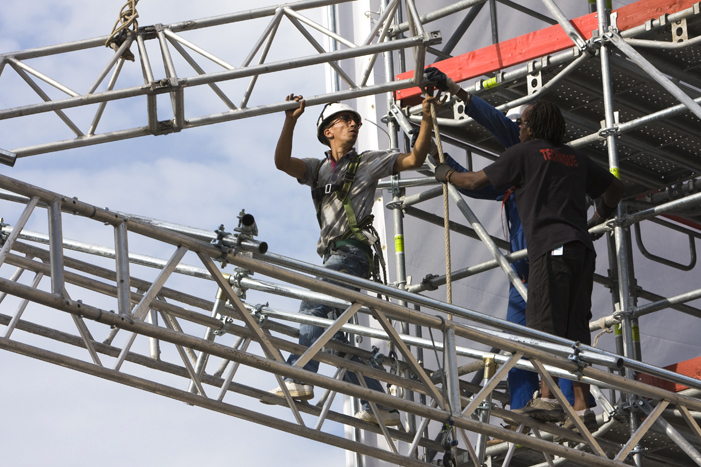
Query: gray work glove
[
  {"x": 443, "y": 172},
  {"x": 443, "y": 82}
]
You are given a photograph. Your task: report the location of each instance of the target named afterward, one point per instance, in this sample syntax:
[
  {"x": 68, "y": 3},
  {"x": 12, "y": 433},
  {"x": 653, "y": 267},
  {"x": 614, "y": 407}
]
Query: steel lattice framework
[{"x": 188, "y": 332}]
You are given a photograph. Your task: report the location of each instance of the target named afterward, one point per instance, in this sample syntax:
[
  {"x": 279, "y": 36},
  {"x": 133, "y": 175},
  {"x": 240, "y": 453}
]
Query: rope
[
  {"x": 446, "y": 217},
  {"x": 127, "y": 20},
  {"x": 605, "y": 329}
]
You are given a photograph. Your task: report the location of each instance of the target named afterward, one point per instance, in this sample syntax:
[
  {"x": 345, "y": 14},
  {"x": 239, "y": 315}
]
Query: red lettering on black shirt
[{"x": 569, "y": 160}]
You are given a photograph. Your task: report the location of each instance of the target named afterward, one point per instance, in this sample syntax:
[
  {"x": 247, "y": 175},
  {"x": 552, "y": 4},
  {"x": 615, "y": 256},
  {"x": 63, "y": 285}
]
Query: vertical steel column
[
  {"x": 153, "y": 343},
  {"x": 622, "y": 248},
  {"x": 56, "y": 247},
  {"x": 494, "y": 23},
  {"x": 332, "y": 46},
  {"x": 450, "y": 370},
  {"x": 397, "y": 215},
  {"x": 485, "y": 408},
  {"x": 122, "y": 259},
  {"x": 209, "y": 335},
  {"x": 615, "y": 301},
  {"x": 151, "y": 100},
  {"x": 177, "y": 95}
]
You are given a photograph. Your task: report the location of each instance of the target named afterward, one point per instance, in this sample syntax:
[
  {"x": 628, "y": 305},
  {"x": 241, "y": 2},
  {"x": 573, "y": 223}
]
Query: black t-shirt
[{"x": 551, "y": 183}]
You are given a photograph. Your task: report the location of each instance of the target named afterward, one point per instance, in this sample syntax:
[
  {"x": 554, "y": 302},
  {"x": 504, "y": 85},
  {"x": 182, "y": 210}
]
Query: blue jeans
[{"x": 350, "y": 260}]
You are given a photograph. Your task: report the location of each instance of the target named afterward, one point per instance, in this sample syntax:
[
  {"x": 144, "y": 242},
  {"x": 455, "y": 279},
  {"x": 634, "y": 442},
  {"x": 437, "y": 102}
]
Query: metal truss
[
  {"x": 172, "y": 42},
  {"x": 183, "y": 330}
]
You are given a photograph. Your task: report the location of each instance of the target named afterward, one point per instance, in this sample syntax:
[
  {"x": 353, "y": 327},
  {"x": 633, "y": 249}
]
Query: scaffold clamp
[
  {"x": 258, "y": 313},
  {"x": 426, "y": 282},
  {"x": 574, "y": 357}
]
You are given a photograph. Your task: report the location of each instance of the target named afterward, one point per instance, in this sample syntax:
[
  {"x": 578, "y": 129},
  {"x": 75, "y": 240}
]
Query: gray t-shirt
[{"x": 374, "y": 165}]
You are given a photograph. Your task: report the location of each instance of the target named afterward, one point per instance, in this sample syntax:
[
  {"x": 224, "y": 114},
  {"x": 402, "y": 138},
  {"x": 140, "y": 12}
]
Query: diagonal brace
[
  {"x": 327, "y": 335},
  {"x": 498, "y": 376},
  {"x": 642, "y": 429},
  {"x": 404, "y": 349},
  {"x": 583, "y": 431}
]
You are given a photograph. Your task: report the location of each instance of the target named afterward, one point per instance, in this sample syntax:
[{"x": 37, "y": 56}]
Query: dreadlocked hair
[{"x": 545, "y": 122}]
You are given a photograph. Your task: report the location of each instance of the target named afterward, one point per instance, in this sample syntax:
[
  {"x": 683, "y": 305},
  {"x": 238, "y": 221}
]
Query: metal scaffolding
[{"x": 621, "y": 108}]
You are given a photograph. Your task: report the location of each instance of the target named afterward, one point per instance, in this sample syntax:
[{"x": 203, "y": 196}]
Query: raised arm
[
  {"x": 283, "y": 152},
  {"x": 417, "y": 156}
]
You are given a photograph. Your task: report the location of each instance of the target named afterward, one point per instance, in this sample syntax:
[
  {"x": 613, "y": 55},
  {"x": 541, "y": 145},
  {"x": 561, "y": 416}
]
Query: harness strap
[
  {"x": 342, "y": 191},
  {"x": 354, "y": 235}
]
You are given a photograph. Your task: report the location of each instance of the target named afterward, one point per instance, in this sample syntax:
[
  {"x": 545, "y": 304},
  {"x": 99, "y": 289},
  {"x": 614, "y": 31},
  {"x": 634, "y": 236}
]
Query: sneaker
[
  {"x": 542, "y": 410},
  {"x": 389, "y": 417},
  {"x": 298, "y": 391}
]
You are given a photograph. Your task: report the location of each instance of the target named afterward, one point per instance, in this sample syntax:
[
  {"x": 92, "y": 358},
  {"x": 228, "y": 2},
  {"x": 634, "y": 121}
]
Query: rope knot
[{"x": 126, "y": 22}]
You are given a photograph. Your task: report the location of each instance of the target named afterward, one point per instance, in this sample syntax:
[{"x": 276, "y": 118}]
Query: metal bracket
[
  {"x": 613, "y": 27},
  {"x": 148, "y": 32},
  {"x": 166, "y": 127},
  {"x": 606, "y": 132},
  {"x": 224, "y": 329},
  {"x": 258, "y": 313},
  {"x": 395, "y": 205},
  {"x": 679, "y": 31},
  {"x": 534, "y": 79},
  {"x": 574, "y": 357},
  {"x": 459, "y": 110},
  {"x": 426, "y": 282},
  {"x": 377, "y": 358}
]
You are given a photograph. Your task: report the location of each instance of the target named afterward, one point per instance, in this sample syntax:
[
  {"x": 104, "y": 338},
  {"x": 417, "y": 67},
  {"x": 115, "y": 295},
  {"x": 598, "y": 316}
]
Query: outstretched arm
[
  {"x": 466, "y": 180},
  {"x": 417, "y": 156},
  {"x": 283, "y": 152}
]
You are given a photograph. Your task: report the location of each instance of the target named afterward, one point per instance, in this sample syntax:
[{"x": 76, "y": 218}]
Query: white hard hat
[
  {"x": 516, "y": 112},
  {"x": 328, "y": 112}
]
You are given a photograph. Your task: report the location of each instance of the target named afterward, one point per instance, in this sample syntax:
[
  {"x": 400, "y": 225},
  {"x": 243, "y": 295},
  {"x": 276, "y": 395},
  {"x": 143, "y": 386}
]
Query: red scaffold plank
[
  {"x": 691, "y": 368},
  {"x": 538, "y": 44}
]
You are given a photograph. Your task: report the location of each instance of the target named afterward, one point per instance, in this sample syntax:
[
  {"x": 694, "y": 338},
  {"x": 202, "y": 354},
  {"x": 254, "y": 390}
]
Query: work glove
[
  {"x": 443, "y": 172},
  {"x": 442, "y": 81}
]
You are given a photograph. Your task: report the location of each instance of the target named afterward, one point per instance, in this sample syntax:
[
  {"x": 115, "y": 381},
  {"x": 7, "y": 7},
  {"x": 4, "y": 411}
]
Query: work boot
[
  {"x": 389, "y": 417},
  {"x": 298, "y": 391},
  {"x": 543, "y": 411}
]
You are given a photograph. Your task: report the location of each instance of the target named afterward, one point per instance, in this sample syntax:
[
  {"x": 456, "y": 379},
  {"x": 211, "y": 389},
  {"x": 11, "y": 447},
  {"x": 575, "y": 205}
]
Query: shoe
[
  {"x": 298, "y": 391},
  {"x": 389, "y": 417},
  {"x": 589, "y": 420},
  {"x": 542, "y": 410}
]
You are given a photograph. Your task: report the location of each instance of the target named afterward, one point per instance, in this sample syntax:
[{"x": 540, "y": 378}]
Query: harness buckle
[{"x": 328, "y": 188}]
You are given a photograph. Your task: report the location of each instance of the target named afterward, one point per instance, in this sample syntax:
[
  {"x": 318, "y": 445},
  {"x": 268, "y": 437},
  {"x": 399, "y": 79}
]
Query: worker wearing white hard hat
[{"x": 343, "y": 185}]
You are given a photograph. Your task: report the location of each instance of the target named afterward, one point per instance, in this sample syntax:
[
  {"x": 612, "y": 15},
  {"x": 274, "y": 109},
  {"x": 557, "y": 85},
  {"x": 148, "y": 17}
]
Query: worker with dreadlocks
[
  {"x": 343, "y": 189},
  {"x": 551, "y": 183},
  {"x": 522, "y": 383}
]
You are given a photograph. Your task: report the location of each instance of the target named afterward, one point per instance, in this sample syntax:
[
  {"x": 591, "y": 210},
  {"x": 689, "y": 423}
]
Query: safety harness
[{"x": 354, "y": 235}]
